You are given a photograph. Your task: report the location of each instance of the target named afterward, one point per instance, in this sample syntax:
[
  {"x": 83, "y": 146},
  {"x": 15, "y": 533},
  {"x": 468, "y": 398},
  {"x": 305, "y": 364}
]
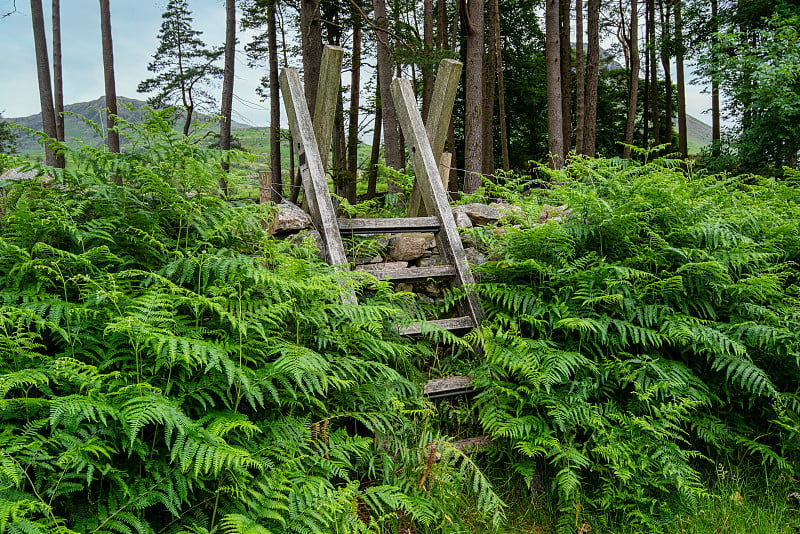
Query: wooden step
[
  {"x": 388, "y": 226},
  {"x": 448, "y": 387},
  {"x": 409, "y": 273},
  {"x": 455, "y": 323}
]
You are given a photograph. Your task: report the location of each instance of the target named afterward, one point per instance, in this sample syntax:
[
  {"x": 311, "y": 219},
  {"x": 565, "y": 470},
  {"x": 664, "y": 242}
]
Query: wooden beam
[
  {"x": 264, "y": 187},
  {"x": 311, "y": 169},
  {"x": 452, "y": 324},
  {"x": 330, "y": 77},
  {"x": 433, "y": 194},
  {"x": 438, "y": 121},
  {"x": 388, "y": 226}
]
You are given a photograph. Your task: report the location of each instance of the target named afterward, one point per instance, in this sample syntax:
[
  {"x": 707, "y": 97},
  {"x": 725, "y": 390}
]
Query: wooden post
[
  {"x": 438, "y": 121},
  {"x": 444, "y": 168},
  {"x": 433, "y": 194},
  {"x": 311, "y": 168},
  {"x": 264, "y": 187},
  {"x": 327, "y": 97}
]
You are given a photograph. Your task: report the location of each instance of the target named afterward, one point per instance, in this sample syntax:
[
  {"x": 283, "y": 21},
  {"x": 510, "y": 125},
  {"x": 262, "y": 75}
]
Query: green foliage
[
  {"x": 651, "y": 332},
  {"x": 168, "y": 367},
  {"x": 8, "y": 138}
]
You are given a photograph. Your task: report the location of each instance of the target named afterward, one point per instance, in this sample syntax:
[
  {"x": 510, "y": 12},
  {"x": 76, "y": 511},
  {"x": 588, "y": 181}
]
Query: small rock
[
  {"x": 376, "y": 259},
  {"x": 289, "y": 218},
  {"x": 17, "y": 174},
  {"x": 404, "y": 248},
  {"x": 509, "y": 212},
  {"x": 554, "y": 213},
  {"x": 404, "y": 287},
  {"x": 433, "y": 259},
  {"x": 462, "y": 219},
  {"x": 498, "y": 231},
  {"x": 479, "y": 214},
  {"x": 474, "y": 256},
  {"x": 422, "y": 297}
]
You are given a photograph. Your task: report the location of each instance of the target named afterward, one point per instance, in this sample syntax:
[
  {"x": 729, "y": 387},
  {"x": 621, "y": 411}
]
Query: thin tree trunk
[
  {"x": 664, "y": 9},
  {"x": 372, "y": 179},
  {"x": 311, "y": 39},
  {"x": 58, "y": 80},
  {"x": 473, "y": 97},
  {"x": 651, "y": 59},
  {"x": 715, "y": 105},
  {"x": 566, "y": 73},
  {"x": 555, "y": 131},
  {"x": 274, "y": 106},
  {"x": 43, "y": 74},
  {"x": 580, "y": 80},
  {"x": 489, "y": 94},
  {"x": 592, "y": 75},
  {"x": 427, "y": 62},
  {"x": 683, "y": 134},
  {"x": 355, "y": 102},
  {"x": 108, "y": 74},
  {"x": 501, "y": 97},
  {"x": 227, "y": 86},
  {"x": 633, "y": 83},
  {"x": 391, "y": 135}
]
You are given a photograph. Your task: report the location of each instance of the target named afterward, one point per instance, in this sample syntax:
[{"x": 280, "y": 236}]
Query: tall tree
[
  {"x": 473, "y": 96},
  {"x": 274, "y": 105},
  {"x": 501, "y": 90},
  {"x": 58, "y": 79},
  {"x": 355, "y": 102},
  {"x": 683, "y": 134},
  {"x": 555, "y": 130},
  {"x": 564, "y": 16},
  {"x": 667, "y": 44},
  {"x": 183, "y": 65},
  {"x": 592, "y": 77},
  {"x": 632, "y": 40},
  {"x": 43, "y": 75},
  {"x": 489, "y": 95},
  {"x": 393, "y": 150},
  {"x": 109, "y": 78},
  {"x": 580, "y": 79},
  {"x": 653, "y": 71},
  {"x": 715, "y": 103},
  {"x": 226, "y": 108},
  {"x": 427, "y": 62},
  {"x": 311, "y": 46}
]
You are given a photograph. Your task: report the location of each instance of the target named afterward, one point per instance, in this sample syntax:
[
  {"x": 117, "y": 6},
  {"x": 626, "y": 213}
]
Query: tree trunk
[
  {"x": 633, "y": 83},
  {"x": 58, "y": 80},
  {"x": 666, "y": 33},
  {"x": 372, "y": 179},
  {"x": 391, "y": 135},
  {"x": 473, "y": 97},
  {"x": 227, "y": 86},
  {"x": 311, "y": 39},
  {"x": 592, "y": 75},
  {"x": 715, "y": 106},
  {"x": 489, "y": 94},
  {"x": 427, "y": 61},
  {"x": 566, "y": 73},
  {"x": 355, "y": 102},
  {"x": 651, "y": 60},
  {"x": 274, "y": 106},
  {"x": 683, "y": 134},
  {"x": 555, "y": 131},
  {"x": 108, "y": 74},
  {"x": 43, "y": 74},
  {"x": 580, "y": 80},
  {"x": 501, "y": 97}
]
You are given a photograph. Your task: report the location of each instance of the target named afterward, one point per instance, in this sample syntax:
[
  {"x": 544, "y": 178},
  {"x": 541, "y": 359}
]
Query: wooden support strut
[
  {"x": 433, "y": 194},
  {"x": 438, "y": 121}
]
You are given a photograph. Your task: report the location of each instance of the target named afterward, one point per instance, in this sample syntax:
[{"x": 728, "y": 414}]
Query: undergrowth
[{"x": 169, "y": 367}]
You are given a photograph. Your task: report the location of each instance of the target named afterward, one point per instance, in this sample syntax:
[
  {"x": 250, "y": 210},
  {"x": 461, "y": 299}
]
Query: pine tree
[{"x": 183, "y": 64}]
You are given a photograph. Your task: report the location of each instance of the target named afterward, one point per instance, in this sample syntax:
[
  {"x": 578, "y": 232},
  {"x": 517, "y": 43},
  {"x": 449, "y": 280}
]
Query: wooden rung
[
  {"x": 388, "y": 226},
  {"x": 471, "y": 444},
  {"x": 456, "y": 323},
  {"x": 448, "y": 387},
  {"x": 410, "y": 273}
]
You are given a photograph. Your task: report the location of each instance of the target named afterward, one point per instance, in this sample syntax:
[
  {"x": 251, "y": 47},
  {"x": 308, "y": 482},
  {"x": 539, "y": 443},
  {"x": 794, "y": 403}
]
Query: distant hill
[{"x": 78, "y": 131}]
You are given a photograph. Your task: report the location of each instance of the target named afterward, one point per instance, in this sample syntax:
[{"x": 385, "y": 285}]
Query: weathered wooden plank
[
  {"x": 455, "y": 323},
  {"x": 264, "y": 187},
  {"x": 311, "y": 169},
  {"x": 388, "y": 226},
  {"x": 409, "y": 273},
  {"x": 448, "y": 386},
  {"x": 438, "y": 120},
  {"x": 471, "y": 444},
  {"x": 444, "y": 168},
  {"x": 330, "y": 77},
  {"x": 433, "y": 194}
]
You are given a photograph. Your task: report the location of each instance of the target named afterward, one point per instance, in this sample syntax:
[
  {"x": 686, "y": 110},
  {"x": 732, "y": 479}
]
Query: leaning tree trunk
[
  {"x": 473, "y": 97},
  {"x": 227, "y": 86},
  {"x": 633, "y": 84},
  {"x": 592, "y": 75},
  {"x": 43, "y": 74},
  {"x": 58, "y": 80}
]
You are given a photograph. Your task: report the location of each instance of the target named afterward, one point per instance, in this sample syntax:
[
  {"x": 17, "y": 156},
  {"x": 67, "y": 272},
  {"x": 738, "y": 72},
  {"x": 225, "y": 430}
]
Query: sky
[{"x": 135, "y": 25}]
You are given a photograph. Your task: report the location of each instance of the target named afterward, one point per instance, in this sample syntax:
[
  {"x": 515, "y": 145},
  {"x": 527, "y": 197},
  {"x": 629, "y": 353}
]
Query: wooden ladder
[{"x": 429, "y": 208}]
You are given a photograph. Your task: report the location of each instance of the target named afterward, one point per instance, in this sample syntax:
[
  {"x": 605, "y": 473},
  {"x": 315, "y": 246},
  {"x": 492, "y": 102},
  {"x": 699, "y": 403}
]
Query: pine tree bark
[
  {"x": 110, "y": 83},
  {"x": 393, "y": 150},
  {"x": 489, "y": 96},
  {"x": 683, "y": 133},
  {"x": 655, "y": 112},
  {"x": 427, "y": 62},
  {"x": 274, "y": 106},
  {"x": 555, "y": 131},
  {"x": 666, "y": 31},
  {"x": 227, "y": 86},
  {"x": 311, "y": 41},
  {"x": 633, "y": 82},
  {"x": 372, "y": 178},
  {"x": 355, "y": 102},
  {"x": 592, "y": 77},
  {"x": 715, "y": 104},
  {"x": 473, "y": 97},
  {"x": 43, "y": 75},
  {"x": 566, "y": 73},
  {"x": 501, "y": 97},
  {"x": 580, "y": 79}
]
